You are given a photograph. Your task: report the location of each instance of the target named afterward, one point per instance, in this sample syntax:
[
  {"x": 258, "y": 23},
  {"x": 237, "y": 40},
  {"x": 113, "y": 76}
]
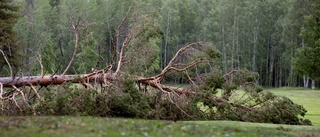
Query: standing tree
[
  {"x": 307, "y": 62},
  {"x": 9, "y": 46}
]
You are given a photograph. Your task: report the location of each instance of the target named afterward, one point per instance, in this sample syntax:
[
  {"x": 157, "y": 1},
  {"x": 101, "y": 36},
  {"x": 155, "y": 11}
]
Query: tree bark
[
  {"x": 224, "y": 50},
  {"x": 305, "y": 82},
  {"x": 166, "y": 41},
  {"x": 255, "y": 44},
  {"x": 313, "y": 84}
]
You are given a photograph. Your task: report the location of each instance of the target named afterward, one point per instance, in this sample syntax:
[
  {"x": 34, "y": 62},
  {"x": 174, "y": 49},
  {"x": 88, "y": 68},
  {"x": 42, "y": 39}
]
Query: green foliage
[
  {"x": 242, "y": 30},
  {"x": 49, "y": 58},
  {"x": 212, "y": 52},
  {"x": 243, "y": 100},
  {"x": 306, "y": 62},
  {"x": 8, "y": 39},
  {"x": 246, "y": 103},
  {"x": 86, "y": 59},
  {"x": 130, "y": 102},
  {"x": 244, "y": 76},
  {"x": 142, "y": 54},
  {"x": 213, "y": 81},
  {"x": 282, "y": 110}
]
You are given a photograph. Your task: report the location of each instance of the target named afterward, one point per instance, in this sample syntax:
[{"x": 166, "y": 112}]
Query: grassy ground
[
  {"x": 310, "y": 99},
  {"x": 96, "y": 126}
]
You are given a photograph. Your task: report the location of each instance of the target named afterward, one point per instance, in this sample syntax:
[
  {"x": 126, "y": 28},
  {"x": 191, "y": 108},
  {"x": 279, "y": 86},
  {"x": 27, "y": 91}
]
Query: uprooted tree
[{"x": 129, "y": 87}]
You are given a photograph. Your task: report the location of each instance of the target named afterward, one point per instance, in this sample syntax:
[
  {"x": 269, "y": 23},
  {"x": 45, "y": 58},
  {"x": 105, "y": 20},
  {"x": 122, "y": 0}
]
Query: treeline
[{"x": 259, "y": 35}]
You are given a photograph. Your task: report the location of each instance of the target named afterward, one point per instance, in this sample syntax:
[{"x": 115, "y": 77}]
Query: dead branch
[
  {"x": 39, "y": 58},
  {"x": 121, "y": 54},
  {"x": 35, "y": 91},
  {"x": 117, "y": 35},
  {"x": 15, "y": 102},
  {"x": 5, "y": 58},
  {"x": 231, "y": 72},
  {"x": 1, "y": 93},
  {"x": 77, "y": 35},
  {"x": 22, "y": 95}
]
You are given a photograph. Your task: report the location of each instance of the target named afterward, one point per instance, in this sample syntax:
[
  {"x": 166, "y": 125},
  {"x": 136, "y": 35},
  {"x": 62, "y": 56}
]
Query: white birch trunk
[{"x": 313, "y": 84}]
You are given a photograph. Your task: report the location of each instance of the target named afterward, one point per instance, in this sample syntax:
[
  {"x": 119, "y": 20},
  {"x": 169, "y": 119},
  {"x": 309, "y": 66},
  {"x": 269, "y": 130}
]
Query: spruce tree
[{"x": 8, "y": 41}]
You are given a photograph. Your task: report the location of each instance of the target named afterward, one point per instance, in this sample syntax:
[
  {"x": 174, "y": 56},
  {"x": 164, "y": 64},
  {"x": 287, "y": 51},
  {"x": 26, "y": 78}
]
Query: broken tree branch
[
  {"x": 77, "y": 35},
  {"x": 5, "y": 58}
]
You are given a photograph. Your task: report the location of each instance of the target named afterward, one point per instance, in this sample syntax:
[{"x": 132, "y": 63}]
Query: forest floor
[{"x": 46, "y": 126}]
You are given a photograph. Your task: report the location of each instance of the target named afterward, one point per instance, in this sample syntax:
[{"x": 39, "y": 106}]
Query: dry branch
[
  {"x": 75, "y": 26},
  {"x": 5, "y": 58}
]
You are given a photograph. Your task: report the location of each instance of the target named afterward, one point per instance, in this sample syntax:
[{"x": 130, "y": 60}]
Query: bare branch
[
  {"x": 1, "y": 93},
  {"x": 15, "y": 102},
  {"x": 121, "y": 54},
  {"x": 35, "y": 91},
  {"x": 170, "y": 64},
  {"x": 5, "y": 58},
  {"x": 23, "y": 95},
  {"x": 77, "y": 35},
  {"x": 117, "y": 35}
]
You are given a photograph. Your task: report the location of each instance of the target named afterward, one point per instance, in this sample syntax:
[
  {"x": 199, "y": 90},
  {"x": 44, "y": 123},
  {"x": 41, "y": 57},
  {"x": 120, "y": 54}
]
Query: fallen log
[
  {"x": 53, "y": 80},
  {"x": 85, "y": 78}
]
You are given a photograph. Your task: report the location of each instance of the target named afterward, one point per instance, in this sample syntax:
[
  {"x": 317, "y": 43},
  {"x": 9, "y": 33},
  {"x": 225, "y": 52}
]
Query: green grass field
[{"x": 98, "y": 126}]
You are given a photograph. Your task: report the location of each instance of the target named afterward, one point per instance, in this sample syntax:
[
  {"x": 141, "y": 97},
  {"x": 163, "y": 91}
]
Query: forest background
[{"x": 262, "y": 36}]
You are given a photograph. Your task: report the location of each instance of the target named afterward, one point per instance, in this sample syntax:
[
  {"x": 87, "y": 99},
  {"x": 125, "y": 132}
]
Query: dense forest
[{"x": 262, "y": 36}]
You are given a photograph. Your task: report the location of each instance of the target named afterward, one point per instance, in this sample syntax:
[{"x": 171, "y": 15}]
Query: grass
[
  {"x": 310, "y": 99},
  {"x": 97, "y": 126},
  {"x": 47, "y": 126}
]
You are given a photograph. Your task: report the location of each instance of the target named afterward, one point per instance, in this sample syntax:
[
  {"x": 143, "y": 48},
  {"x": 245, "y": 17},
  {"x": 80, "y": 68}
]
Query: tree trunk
[
  {"x": 280, "y": 74},
  {"x": 28, "y": 47},
  {"x": 313, "y": 84},
  {"x": 166, "y": 41},
  {"x": 305, "y": 82},
  {"x": 255, "y": 44},
  {"x": 234, "y": 38},
  {"x": 224, "y": 51}
]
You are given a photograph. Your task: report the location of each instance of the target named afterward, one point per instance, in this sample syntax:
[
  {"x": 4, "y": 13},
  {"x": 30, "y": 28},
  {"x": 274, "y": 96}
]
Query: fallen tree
[{"x": 240, "y": 98}]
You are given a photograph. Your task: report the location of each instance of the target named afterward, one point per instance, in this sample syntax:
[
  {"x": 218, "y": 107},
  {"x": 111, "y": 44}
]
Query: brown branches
[
  {"x": 171, "y": 62},
  {"x": 11, "y": 96}
]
